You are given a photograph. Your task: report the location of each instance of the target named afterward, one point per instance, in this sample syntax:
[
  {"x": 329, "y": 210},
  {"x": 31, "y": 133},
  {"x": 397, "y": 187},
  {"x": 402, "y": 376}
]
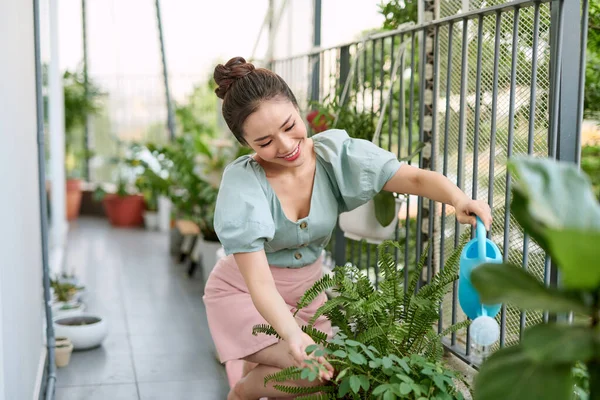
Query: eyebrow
[{"x": 268, "y": 136}]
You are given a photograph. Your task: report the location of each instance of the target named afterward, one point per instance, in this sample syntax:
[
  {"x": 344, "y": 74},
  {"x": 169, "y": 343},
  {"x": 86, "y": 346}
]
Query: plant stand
[{"x": 206, "y": 253}]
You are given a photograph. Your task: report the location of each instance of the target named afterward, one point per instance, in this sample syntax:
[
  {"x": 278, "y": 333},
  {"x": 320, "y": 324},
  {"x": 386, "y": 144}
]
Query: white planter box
[
  {"x": 151, "y": 220},
  {"x": 361, "y": 223},
  {"x": 164, "y": 214}
]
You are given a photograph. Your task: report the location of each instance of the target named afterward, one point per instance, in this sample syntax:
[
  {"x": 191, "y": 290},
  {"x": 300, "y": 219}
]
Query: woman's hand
[
  {"x": 297, "y": 349},
  {"x": 466, "y": 209}
]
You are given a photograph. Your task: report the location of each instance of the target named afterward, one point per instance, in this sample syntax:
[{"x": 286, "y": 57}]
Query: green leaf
[
  {"x": 510, "y": 374},
  {"x": 354, "y": 383},
  {"x": 381, "y": 388},
  {"x": 385, "y": 207},
  {"x": 364, "y": 382},
  {"x": 405, "y": 388},
  {"x": 576, "y": 253},
  {"x": 356, "y": 358},
  {"x": 352, "y": 343},
  {"x": 342, "y": 374},
  {"x": 319, "y": 353},
  {"x": 340, "y": 353},
  {"x": 505, "y": 283},
  {"x": 389, "y": 395},
  {"x": 554, "y": 203},
  {"x": 387, "y": 363},
  {"x": 559, "y": 344},
  {"x": 311, "y": 348},
  {"x": 305, "y": 373},
  {"x": 344, "y": 387}
]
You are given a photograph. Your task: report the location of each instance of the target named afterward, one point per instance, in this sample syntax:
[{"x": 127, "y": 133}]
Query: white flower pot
[
  {"x": 361, "y": 223},
  {"x": 85, "y": 331},
  {"x": 151, "y": 220},
  {"x": 164, "y": 214}
]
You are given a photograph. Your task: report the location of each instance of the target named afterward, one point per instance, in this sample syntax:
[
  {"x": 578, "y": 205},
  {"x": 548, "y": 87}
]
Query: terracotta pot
[
  {"x": 73, "y": 198},
  {"x": 124, "y": 211}
]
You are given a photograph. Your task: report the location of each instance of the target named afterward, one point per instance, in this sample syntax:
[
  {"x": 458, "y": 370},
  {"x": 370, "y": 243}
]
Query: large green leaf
[
  {"x": 385, "y": 207},
  {"x": 506, "y": 283},
  {"x": 511, "y": 374},
  {"x": 559, "y": 344},
  {"x": 553, "y": 201}
]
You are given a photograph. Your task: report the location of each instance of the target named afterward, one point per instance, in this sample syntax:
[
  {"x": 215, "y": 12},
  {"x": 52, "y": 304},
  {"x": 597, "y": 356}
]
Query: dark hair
[{"x": 243, "y": 87}]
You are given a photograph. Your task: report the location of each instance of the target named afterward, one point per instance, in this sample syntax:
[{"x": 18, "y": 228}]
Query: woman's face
[{"x": 277, "y": 133}]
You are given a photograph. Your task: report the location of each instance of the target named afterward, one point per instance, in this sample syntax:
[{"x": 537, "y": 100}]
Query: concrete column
[{"x": 56, "y": 119}]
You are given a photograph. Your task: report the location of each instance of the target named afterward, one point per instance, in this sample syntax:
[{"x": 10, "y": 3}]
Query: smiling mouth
[{"x": 293, "y": 154}]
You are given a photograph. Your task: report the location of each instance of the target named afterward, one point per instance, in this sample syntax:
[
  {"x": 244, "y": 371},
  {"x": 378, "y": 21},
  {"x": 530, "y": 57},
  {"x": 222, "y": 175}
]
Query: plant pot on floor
[
  {"x": 73, "y": 198},
  {"x": 62, "y": 351},
  {"x": 361, "y": 223},
  {"x": 85, "y": 331},
  {"x": 206, "y": 253},
  {"x": 151, "y": 220},
  {"x": 164, "y": 213},
  {"x": 124, "y": 211}
]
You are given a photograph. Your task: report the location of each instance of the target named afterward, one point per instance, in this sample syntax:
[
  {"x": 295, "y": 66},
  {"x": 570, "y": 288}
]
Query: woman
[{"x": 276, "y": 210}]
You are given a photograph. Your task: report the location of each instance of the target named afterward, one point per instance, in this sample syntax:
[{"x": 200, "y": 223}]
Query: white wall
[{"x": 21, "y": 304}]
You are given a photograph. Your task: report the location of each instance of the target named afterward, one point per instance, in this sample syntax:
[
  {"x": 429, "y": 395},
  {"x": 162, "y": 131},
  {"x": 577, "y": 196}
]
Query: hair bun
[{"x": 226, "y": 75}]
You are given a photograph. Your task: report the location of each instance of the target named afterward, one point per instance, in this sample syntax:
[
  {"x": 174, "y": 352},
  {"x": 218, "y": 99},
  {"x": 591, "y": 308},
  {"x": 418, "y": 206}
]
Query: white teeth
[{"x": 293, "y": 153}]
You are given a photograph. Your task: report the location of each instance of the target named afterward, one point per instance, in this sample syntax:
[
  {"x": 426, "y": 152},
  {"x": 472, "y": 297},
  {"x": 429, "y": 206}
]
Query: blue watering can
[{"x": 484, "y": 329}]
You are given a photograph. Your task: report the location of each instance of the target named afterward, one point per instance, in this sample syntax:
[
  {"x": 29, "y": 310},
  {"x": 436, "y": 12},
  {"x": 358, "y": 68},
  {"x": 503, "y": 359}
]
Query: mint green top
[{"x": 249, "y": 217}]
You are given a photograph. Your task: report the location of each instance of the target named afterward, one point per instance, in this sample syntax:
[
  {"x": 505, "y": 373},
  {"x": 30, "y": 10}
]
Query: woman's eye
[
  {"x": 266, "y": 144},
  {"x": 291, "y": 127}
]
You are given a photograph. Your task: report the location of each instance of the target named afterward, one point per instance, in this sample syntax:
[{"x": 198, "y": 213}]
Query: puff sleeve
[
  {"x": 243, "y": 220},
  {"x": 357, "y": 168}
]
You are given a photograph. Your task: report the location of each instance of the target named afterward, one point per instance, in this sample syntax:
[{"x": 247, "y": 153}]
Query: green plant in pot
[
  {"x": 554, "y": 204},
  {"x": 123, "y": 206},
  {"x": 387, "y": 344},
  {"x": 375, "y": 220},
  {"x": 78, "y": 106}
]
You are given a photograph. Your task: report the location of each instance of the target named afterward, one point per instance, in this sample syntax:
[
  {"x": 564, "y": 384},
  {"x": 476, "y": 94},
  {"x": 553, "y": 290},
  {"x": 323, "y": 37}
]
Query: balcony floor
[{"x": 158, "y": 346}]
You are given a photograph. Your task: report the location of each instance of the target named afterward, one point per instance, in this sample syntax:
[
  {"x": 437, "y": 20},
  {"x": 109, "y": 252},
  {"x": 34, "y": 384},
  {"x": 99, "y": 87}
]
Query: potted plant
[
  {"x": 374, "y": 221},
  {"x": 386, "y": 340},
  {"x": 555, "y": 205},
  {"x": 62, "y": 351},
  {"x": 78, "y": 105},
  {"x": 211, "y": 158},
  {"x": 86, "y": 331},
  {"x": 65, "y": 301}
]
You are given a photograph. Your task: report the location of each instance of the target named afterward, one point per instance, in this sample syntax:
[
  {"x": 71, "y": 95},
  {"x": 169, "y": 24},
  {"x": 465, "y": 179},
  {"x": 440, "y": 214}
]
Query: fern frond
[
  {"x": 316, "y": 335},
  {"x": 266, "y": 329},
  {"x": 328, "y": 306},
  {"x": 303, "y": 390},
  {"x": 370, "y": 334},
  {"x": 315, "y": 290},
  {"x": 286, "y": 374},
  {"x": 318, "y": 396},
  {"x": 454, "y": 328},
  {"x": 412, "y": 286}
]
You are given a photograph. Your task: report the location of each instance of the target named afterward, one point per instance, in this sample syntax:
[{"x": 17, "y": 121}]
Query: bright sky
[{"x": 123, "y": 36}]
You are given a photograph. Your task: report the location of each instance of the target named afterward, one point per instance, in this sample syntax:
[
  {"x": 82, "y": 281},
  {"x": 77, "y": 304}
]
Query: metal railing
[{"x": 476, "y": 87}]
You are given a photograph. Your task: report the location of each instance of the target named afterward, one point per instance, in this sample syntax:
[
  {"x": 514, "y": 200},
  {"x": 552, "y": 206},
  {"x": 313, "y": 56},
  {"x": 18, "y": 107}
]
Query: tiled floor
[{"x": 159, "y": 346}]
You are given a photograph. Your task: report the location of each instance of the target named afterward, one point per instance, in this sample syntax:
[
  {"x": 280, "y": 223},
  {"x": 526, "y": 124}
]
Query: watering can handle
[{"x": 481, "y": 239}]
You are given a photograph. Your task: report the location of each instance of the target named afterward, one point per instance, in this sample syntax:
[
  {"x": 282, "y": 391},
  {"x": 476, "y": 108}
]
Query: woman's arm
[
  {"x": 437, "y": 187},
  {"x": 267, "y": 300}
]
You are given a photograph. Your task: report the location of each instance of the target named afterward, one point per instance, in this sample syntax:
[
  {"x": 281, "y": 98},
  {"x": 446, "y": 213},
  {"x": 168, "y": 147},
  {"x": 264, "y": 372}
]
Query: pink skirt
[{"x": 231, "y": 313}]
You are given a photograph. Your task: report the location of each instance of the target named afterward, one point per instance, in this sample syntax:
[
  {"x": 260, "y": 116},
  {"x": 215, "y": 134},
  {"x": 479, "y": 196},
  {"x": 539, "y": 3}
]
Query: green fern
[
  {"x": 311, "y": 294},
  {"x": 266, "y": 329},
  {"x": 318, "y": 396},
  {"x": 303, "y": 389},
  {"x": 287, "y": 374}
]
